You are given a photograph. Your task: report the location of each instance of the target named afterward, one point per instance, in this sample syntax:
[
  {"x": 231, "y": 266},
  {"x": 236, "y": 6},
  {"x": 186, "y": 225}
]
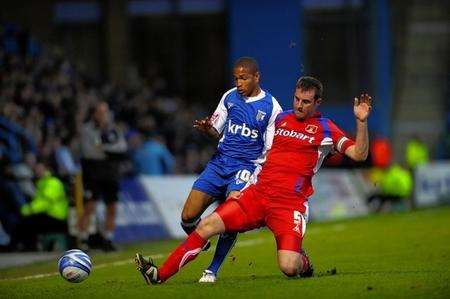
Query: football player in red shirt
[{"x": 278, "y": 196}]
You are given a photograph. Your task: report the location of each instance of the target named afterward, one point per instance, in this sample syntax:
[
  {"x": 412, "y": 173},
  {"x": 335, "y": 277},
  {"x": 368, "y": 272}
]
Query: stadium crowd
[{"x": 44, "y": 101}]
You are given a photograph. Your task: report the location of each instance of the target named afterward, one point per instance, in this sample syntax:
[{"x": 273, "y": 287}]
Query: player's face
[
  {"x": 246, "y": 81},
  {"x": 304, "y": 103}
]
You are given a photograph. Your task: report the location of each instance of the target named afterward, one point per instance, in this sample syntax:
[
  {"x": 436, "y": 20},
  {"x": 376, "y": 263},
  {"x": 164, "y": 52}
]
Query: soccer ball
[{"x": 74, "y": 265}]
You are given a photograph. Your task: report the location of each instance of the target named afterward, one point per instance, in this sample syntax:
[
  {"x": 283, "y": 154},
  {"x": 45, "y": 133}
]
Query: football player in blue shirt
[{"x": 245, "y": 120}]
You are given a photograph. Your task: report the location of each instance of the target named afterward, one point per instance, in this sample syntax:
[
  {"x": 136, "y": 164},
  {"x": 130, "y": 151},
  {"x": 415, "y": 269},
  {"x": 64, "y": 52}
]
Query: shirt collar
[{"x": 259, "y": 96}]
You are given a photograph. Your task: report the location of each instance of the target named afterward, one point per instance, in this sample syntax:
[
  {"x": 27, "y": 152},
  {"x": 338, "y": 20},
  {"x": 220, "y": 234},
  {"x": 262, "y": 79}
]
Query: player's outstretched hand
[
  {"x": 203, "y": 125},
  {"x": 362, "y": 107}
]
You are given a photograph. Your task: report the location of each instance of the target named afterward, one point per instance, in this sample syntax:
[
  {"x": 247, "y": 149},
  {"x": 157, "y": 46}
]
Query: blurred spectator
[
  {"x": 17, "y": 149},
  {"x": 46, "y": 213},
  {"x": 152, "y": 157},
  {"x": 16, "y": 139},
  {"x": 381, "y": 152},
  {"x": 393, "y": 183},
  {"x": 102, "y": 146},
  {"x": 64, "y": 160},
  {"x": 19, "y": 153},
  {"x": 416, "y": 153},
  {"x": 395, "y": 186},
  {"x": 11, "y": 198}
]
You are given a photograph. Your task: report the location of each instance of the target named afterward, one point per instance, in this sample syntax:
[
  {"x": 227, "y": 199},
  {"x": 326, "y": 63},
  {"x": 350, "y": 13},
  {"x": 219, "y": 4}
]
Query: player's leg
[
  {"x": 224, "y": 245},
  {"x": 193, "y": 245},
  {"x": 204, "y": 190},
  {"x": 110, "y": 224},
  {"x": 289, "y": 226},
  {"x": 289, "y": 262},
  {"x": 238, "y": 177},
  {"x": 196, "y": 203},
  {"x": 110, "y": 198},
  {"x": 229, "y": 216},
  {"x": 84, "y": 222},
  {"x": 294, "y": 263},
  {"x": 92, "y": 192}
]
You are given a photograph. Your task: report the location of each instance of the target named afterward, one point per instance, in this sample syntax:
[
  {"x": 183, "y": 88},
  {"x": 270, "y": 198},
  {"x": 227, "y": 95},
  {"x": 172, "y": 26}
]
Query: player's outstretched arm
[
  {"x": 205, "y": 126},
  {"x": 361, "y": 109}
]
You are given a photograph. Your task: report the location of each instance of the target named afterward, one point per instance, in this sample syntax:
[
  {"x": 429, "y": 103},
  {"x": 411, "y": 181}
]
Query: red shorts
[{"x": 255, "y": 209}]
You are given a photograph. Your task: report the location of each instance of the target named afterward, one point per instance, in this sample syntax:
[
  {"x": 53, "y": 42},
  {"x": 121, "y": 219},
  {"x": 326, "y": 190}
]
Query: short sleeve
[{"x": 219, "y": 117}]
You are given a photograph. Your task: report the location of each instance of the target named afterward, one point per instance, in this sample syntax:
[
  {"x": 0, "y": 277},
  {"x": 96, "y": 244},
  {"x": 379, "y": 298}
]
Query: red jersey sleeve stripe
[{"x": 343, "y": 144}]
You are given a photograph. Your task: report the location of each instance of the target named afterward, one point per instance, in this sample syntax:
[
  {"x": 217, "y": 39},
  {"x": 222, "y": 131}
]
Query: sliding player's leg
[
  {"x": 294, "y": 263},
  {"x": 230, "y": 217},
  {"x": 289, "y": 226},
  {"x": 184, "y": 253}
]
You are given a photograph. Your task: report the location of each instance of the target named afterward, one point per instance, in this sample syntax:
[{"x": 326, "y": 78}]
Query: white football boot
[{"x": 208, "y": 277}]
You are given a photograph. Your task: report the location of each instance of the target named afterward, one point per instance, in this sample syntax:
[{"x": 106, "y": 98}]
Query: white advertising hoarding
[
  {"x": 338, "y": 194},
  {"x": 169, "y": 194},
  {"x": 432, "y": 184}
]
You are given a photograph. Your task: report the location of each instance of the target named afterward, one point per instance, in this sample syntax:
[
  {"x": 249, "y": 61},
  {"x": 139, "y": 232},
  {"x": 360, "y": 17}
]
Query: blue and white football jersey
[
  {"x": 247, "y": 124},
  {"x": 248, "y": 127}
]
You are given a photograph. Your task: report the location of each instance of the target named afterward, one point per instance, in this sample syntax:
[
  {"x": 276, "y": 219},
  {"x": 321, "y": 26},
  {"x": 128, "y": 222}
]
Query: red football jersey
[{"x": 297, "y": 153}]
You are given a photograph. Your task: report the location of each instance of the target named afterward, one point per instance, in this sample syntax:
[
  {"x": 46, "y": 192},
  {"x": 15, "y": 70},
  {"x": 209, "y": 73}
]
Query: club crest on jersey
[
  {"x": 311, "y": 129},
  {"x": 260, "y": 115}
]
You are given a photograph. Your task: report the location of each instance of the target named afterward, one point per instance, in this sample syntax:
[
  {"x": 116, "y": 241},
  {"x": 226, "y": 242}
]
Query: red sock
[{"x": 183, "y": 254}]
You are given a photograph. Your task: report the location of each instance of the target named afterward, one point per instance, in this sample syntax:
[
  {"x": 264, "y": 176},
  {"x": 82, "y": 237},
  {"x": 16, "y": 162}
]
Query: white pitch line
[
  {"x": 245, "y": 243},
  {"x": 127, "y": 261},
  {"x": 31, "y": 277}
]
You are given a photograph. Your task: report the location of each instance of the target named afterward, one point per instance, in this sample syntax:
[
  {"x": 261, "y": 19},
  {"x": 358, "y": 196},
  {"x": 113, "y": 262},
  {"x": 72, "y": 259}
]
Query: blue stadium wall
[{"x": 271, "y": 34}]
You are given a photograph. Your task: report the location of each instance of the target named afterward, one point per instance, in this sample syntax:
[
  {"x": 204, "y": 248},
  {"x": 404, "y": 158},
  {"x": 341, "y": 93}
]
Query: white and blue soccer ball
[{"x": 74, "y": 265}]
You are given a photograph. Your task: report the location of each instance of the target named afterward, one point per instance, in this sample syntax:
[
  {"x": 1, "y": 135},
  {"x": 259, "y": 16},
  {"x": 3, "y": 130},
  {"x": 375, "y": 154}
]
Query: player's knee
[
  {"x": 289, "y": 270},
  {"x": 209, "y": 226},
  {"x": 186, "y": 216},
  {"x": 189, "y": 215},
  {"x": 234, "y": 194},
  {"x": 289, "y": 264}
]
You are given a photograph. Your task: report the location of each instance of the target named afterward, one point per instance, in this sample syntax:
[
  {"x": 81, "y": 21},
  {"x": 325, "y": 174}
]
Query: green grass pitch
[{"x": 404, "y": 255}]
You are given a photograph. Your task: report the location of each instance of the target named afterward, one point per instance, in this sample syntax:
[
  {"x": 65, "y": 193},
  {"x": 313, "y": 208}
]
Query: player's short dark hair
[
  {"x": 249, "y": 63},
  {"x": 308, "y": 83}
]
